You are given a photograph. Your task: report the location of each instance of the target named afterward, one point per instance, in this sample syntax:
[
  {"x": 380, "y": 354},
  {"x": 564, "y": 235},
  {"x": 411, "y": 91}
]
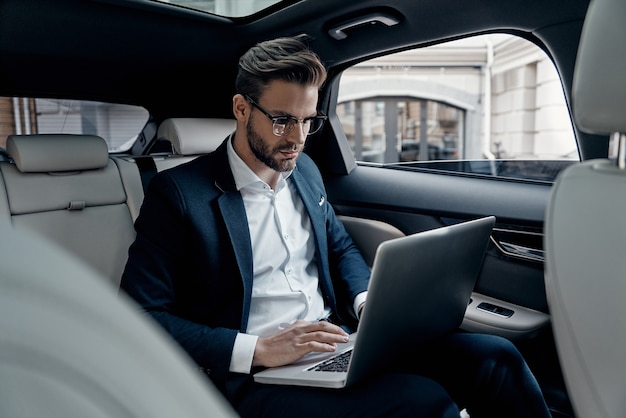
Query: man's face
[{"x": 280, "y": 99}]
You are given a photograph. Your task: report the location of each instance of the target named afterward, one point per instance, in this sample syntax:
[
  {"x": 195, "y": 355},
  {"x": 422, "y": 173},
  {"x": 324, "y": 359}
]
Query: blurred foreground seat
[
  {"x": 585, "y": 233},
  {"x": 70, "y": 346}
]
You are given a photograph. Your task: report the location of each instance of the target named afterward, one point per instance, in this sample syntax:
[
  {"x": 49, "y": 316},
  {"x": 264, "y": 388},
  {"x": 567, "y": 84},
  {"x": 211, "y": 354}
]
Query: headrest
[
  {"x": 191, "y": 136},
  {"x": 599, "y": 89},
  {"x": 57, "y": 152}
]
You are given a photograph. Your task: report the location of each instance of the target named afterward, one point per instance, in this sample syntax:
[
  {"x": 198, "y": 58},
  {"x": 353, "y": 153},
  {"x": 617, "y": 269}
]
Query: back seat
[
  {"x": 68, "y": 189},
  {"x": 190, "y": 137},
  {"x": 184, "y": 139}
]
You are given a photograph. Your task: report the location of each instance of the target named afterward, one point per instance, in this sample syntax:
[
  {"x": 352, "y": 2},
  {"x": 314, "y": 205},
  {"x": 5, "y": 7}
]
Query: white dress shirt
[{"x": 285, "y": 286}]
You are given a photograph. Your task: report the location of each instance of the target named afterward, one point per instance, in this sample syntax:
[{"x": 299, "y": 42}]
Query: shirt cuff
[
  {"x": 243, "y": 353},
  {"x": 358, "y": 300}
]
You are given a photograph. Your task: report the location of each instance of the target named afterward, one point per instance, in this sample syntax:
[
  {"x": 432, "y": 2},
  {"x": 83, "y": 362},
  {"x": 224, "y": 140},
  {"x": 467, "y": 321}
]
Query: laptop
[{"x": 419, "y": 289}]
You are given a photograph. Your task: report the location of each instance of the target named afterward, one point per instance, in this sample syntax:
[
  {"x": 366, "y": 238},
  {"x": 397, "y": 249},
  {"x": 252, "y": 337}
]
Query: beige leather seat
[
  {"x": 71, "y": 346},
  {"x": 66, "y": 188},
  {"x": 368, "y": 234},
  {"x": 585, "y": 232},
  {"x": 190, "y": 137},
  {"x": 193, "y": 136}
]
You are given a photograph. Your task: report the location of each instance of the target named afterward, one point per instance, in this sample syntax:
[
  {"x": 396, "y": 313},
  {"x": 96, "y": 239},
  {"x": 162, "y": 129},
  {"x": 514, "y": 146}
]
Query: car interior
[{"x": 69, "y": 197}]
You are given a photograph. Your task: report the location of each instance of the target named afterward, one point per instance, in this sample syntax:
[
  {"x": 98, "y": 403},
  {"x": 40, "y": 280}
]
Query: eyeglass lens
[{"x": 284, "y": 126}]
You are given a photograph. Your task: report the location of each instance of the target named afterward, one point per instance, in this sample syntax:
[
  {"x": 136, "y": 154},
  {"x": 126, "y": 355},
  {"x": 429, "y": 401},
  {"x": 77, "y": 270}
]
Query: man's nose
[{"x": 298, "y": 133}]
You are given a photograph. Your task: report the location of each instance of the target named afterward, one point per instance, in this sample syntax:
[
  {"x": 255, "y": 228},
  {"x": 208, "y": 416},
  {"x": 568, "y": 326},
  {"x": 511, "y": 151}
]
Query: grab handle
[{"x": 339, "y": 32}]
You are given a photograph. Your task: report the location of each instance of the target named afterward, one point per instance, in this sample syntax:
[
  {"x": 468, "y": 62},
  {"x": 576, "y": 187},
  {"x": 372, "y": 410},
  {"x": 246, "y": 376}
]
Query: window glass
[
  {"x": 486, "y": 97},
  {"x": 118, "y": 124},
  {"x": 229, "y": 8}
]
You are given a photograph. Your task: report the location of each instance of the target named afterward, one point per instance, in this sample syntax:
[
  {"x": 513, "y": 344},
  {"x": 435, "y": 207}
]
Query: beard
[{"x": 267, "y": 155}]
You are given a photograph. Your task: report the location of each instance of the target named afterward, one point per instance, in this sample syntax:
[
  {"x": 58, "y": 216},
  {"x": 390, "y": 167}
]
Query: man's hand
[{"x": 295, "y": 341}]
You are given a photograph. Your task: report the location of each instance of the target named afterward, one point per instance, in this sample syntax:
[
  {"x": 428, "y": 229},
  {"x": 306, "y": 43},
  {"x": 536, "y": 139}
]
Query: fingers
[
  {"x": 323, "y": 326},
  {"x": 297, "y": 340},
  {"x": 314, "y": 328},
  {"x": 320, "y": 332}
]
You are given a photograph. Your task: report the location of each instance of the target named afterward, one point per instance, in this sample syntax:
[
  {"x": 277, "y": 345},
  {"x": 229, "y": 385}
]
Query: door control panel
[{"x": 495, "y": 309}]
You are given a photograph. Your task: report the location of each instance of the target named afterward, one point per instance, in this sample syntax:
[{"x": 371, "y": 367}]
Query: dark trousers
[{"x": 483, "y": 373}]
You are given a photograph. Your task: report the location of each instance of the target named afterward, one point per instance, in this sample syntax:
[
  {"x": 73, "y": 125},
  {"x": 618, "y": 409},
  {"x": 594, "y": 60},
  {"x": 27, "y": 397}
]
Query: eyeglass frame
[{"x": 274, "y": 119}]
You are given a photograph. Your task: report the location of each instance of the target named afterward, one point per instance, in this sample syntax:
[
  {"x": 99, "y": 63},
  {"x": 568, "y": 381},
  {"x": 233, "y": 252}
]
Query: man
[{"x": 240, "y": 257}]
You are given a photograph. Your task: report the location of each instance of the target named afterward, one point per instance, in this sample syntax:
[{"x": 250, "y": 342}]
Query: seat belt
[{"x": 147, "y": 170}]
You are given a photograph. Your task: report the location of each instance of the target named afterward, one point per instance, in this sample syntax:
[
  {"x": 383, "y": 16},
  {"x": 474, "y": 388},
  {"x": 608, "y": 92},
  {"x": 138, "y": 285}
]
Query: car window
[
  {"x": 118, "y": 124},
  {"x": 228, "y": 8},
  {"x": 489, "y": 97}
]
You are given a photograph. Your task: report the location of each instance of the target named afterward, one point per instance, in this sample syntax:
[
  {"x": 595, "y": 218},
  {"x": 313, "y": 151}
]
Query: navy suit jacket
[{"x": 191, "y": 268}]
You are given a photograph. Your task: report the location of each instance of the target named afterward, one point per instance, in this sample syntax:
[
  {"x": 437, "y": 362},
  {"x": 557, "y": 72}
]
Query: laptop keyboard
[{"x": 335, "y": 364}]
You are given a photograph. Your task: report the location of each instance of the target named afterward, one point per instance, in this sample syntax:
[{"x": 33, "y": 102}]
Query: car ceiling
[{"x": 177, "y": 62}]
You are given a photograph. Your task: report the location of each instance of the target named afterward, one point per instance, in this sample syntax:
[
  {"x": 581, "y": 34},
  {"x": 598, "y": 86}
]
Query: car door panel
[
  {"x": 484, "y": 313},
  {"x": 416, "y": 201}
]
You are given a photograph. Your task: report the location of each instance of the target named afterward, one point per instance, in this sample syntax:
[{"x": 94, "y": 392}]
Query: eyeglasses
[{"x": 283, "y": 125}]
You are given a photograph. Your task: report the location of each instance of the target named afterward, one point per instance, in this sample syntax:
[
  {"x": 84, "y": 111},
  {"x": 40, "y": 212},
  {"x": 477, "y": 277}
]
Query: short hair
[{"x": 285, "y": 59}]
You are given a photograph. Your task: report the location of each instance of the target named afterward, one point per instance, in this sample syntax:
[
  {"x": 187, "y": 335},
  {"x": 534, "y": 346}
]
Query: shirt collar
[{"x": 243, "y": 175}]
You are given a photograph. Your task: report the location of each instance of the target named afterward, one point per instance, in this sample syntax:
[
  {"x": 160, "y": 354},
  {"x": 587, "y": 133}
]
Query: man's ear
[{"x": 241, "y": 108}]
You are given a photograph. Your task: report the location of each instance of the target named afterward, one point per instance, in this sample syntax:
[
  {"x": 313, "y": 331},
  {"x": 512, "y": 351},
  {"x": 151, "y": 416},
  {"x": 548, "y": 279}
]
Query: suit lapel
[
  {"x": 234, "y": 215},
  {"x": 315, "y": 204}
]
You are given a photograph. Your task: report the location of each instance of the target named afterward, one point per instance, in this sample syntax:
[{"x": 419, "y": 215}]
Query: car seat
[
  {"x": 585, "y": 235},
  {"x": 71, "y": 346}
]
